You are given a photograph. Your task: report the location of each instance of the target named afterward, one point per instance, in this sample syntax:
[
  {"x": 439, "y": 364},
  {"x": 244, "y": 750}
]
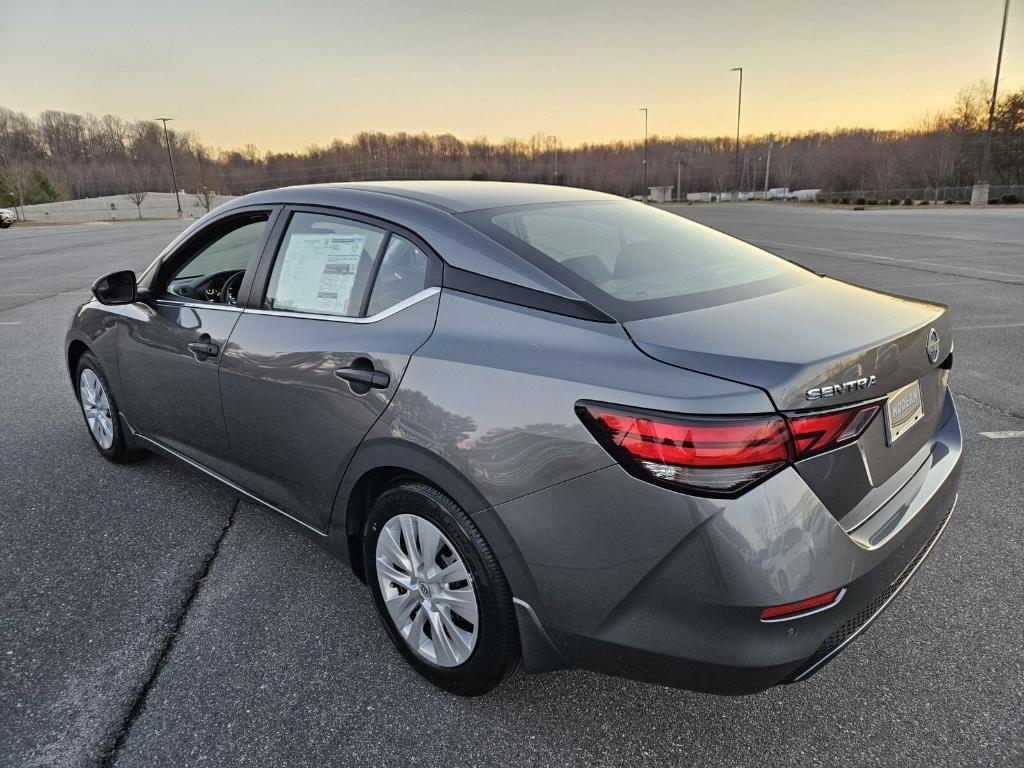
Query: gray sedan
[{"x": 548, "y": 427}]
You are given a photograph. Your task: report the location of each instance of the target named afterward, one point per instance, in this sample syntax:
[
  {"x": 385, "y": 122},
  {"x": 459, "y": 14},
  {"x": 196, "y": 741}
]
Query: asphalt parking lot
[{"x": 147, "y": 617}]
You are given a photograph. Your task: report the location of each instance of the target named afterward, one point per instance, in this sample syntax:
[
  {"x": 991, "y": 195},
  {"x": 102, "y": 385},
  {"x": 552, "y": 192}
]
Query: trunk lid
[
  {"x": 813, "y": 336},
  {"x": 840, "y": 342}
]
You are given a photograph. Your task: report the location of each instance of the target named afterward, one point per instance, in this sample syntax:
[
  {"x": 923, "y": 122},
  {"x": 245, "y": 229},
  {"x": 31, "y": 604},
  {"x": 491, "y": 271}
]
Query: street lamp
[
  {"x": 992, "y": 107},
  {"x": 739, "y": 108},
  {"x": 644, "y": 110},
  {"x": 174, "y": 180}
]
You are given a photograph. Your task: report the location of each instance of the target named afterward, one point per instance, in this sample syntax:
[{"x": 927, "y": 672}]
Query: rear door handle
[
  {"x": 361, "y": 378},
  {"x": 203, "y": 349}
]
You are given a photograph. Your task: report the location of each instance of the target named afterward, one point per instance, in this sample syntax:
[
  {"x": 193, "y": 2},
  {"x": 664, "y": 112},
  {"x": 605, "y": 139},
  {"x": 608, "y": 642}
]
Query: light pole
[
  {"x": 768, "y": 165},
  {"x": 644, "y": 110},
  {"x": 992, "y": 105},
  {"x": 679, "y": 175},
  {"x": 174, "y": 180},
  {"x": 739, "y": 109}
]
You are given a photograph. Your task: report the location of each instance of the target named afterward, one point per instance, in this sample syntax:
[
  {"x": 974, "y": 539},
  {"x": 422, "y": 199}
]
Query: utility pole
[
  {"x": 992, "y": 110},
  {"x": 679, "y": 175},
  {"x": 644, "y": 110},
  {"x": 17, "y": 183},
  {"x": 556, "y": 161},
  {"x": 768, "y": 165},
  {"x": 174, "y": 180},
  {"x": 739, "y": 109}
]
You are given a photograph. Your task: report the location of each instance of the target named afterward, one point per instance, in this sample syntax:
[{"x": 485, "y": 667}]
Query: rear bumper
[{"x": 629, "y": 579}]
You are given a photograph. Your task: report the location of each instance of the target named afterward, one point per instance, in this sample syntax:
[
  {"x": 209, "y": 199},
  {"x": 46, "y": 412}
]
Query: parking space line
[
  {"x": 1004, "y": 435},
  {"x": 945, "y": 267},
  {"x": 986, "y": 327}
]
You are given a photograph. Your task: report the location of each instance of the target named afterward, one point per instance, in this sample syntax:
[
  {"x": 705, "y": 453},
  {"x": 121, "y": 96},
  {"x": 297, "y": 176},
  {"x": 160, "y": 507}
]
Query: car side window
[
  {"x": 323, "y": 265},
  {"x": 219, "y": 260},
  {"x": 402, "y": 274}
]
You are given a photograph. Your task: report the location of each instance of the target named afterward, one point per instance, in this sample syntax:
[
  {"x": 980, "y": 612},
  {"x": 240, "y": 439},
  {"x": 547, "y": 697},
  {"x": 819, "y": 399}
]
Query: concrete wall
[{"x": 157, "y": 205}]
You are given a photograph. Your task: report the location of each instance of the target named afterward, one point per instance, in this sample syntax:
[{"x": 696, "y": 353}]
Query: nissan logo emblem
[{"x": 933, "y": 345}]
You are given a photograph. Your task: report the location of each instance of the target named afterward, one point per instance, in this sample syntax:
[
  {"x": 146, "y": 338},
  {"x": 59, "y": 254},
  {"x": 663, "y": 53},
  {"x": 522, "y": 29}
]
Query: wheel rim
[
  {"x": 428, "y": 590},
  {"x": 96, "y": 407}
]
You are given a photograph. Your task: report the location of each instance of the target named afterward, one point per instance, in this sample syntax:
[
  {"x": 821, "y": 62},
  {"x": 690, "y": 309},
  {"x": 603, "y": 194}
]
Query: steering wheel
[{"x": 229, "y": 291}]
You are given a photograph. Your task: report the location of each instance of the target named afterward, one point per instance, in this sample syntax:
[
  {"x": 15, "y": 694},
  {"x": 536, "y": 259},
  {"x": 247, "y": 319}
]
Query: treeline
[{"x": 65, "y": 155}]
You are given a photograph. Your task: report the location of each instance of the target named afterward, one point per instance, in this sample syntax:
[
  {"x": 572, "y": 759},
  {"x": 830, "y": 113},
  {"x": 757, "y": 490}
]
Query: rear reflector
[
  {"x": 810, "y": 605},
  {"x": 711, "y": 455}
]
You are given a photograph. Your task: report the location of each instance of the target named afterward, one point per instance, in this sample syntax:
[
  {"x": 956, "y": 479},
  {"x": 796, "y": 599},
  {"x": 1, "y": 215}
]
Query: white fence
[{"x": 155, "y": 205}]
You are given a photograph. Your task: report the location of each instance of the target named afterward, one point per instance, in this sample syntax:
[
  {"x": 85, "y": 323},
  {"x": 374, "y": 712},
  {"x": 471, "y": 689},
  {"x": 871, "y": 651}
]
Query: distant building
[
  {"x": 804, "y": 194},
  {"x": 698, "y": 197},
  {"x": 777, "y": 193},
  {"x": 660, "y": 194}
]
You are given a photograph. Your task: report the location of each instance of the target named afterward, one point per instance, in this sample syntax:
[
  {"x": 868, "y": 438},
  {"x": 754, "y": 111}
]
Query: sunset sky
[{"x": 283, "y": 75}]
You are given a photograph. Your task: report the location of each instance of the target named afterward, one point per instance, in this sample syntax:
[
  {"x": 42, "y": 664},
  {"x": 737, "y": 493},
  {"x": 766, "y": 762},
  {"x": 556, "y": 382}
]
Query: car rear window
[{"x": 616, "y": 253}]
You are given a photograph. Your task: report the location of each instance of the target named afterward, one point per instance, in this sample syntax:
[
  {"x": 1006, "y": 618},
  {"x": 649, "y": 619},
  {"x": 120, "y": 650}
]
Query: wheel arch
[
  {"x": 378, "y": 463},
  {"x": 75, "y": 349}
]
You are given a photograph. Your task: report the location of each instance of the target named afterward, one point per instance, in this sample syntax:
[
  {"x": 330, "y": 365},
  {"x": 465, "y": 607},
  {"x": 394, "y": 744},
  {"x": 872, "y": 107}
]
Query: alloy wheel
[
  {"x": 96, "y": 407},
  {"x": 427, "y": 589}
]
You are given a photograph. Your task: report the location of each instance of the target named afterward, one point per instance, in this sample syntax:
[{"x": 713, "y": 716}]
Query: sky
[{"x": 286, "y": 74}]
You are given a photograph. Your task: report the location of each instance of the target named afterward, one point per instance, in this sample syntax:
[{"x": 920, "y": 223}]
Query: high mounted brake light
[{"x": 717, "y": 455}]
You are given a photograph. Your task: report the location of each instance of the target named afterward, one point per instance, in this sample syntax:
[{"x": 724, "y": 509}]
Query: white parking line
[
  {"x": 1004, "y": 434},
  {"x": 12, "y": 322},
  {"x": 941, "y": 265},
  {"x": 985, "y": 327}
]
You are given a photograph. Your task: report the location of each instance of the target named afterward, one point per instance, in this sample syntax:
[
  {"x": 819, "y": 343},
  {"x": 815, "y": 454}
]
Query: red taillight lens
[
  {"x": 709, "y": 455},
  {"x": 817, "y": 432},
  {"x": 718, "y": 455}
]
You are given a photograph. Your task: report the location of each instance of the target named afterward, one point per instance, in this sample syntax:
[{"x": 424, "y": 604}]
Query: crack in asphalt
[
  {"x": 1009, "y": 414},
  {"x": 110, "y": 755}
]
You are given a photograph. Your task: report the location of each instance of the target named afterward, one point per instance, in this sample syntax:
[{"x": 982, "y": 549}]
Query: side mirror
[{"x": 116, "y": 288}]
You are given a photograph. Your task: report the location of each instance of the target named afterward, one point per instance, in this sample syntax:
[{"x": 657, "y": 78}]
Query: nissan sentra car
[{"x": 549, "y": 428}]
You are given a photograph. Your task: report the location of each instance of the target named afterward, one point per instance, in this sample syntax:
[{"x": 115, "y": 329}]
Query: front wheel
[
  {"x": 439, "y": 590},
  {"x": 100, "y": 411}
]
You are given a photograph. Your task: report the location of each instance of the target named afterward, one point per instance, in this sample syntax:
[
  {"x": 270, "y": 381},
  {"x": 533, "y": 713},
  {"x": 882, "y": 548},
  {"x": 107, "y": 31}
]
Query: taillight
[
  {"x": 817, "y": 432},
  {"x": 717, "y": 455},
  {"x": 710, "y": 455}
]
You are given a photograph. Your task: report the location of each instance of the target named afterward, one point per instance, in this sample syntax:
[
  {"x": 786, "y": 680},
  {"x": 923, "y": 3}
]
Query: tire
[
  {"x": 118, "y": 450},
  {"x": 4, "y": 225},
  {"x": 470, "y": 658}
]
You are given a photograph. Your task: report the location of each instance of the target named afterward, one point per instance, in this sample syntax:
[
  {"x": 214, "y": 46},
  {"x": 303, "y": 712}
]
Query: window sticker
[{"x": 319, "y": 273}]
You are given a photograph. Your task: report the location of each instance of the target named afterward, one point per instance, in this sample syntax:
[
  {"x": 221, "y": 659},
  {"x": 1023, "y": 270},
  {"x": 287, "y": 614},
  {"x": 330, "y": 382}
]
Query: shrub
[
  {"x": 861, "y": 201},
  {"x": 835, "y": 200},
  {"x": 949, "y": 201},
  {"x": 872, "y": 201},
  {"x": 993, "y": 201},
  {"x": 1010, "y": 200},
  {"x": 845, "y": 201},
  {"x": 908, "y": 201},
  {"x": 925, "y": 202},
  {"x": 894, "y": 201}
]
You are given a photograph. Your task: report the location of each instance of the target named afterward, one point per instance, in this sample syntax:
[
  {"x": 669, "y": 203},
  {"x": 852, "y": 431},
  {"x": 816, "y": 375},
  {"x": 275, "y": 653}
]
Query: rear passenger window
[
  {"x": 402, "y": 274},
  {"x": 323, "y": 265}
]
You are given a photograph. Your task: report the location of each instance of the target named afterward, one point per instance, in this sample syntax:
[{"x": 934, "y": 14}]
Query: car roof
[{"x": 462, "y": 196}]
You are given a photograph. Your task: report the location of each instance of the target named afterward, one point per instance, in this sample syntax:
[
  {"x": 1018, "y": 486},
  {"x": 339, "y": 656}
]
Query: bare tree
[
  {"x": 205, "y": 198},
  {"x": 136, "y": 198}
]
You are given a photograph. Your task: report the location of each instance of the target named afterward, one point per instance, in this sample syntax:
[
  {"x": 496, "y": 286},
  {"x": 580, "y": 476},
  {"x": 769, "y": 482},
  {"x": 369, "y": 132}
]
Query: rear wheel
[
  {"x": 439, "y": 590},
  {"x": 100, "y": 411}
]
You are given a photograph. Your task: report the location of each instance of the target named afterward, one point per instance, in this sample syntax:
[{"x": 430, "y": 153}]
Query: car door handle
[
  {"x": 203, "y": 349},
  {"x": 364, "y": 378}
]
